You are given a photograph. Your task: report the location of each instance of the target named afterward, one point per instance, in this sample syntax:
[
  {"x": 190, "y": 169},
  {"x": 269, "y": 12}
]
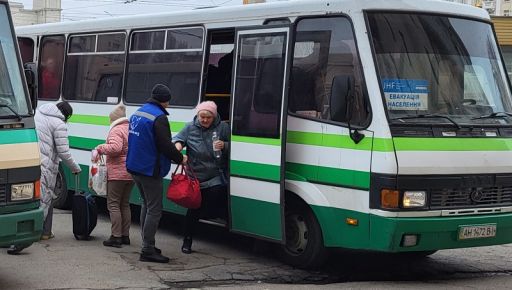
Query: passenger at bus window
[
  {"x": 150, "y": 152},
  {"x": 52, "y": 133},
  {"x": 50, "y": 80},
  {"x": 119, "y": 181},
  {"x": 210, "y": 169}
]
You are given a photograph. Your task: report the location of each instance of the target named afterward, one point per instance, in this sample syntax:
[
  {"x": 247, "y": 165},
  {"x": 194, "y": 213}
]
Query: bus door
[{"x": 258, "y": 121}]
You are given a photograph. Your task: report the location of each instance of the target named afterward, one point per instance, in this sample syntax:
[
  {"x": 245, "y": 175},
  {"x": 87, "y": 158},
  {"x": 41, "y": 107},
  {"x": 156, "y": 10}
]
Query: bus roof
[{"x": 269, "y": 10}]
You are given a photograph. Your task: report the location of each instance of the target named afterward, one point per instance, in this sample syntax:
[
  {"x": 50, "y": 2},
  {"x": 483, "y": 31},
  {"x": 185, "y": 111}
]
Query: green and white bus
[
  {"x": 21, "y": 220},
  {"x": 377, "y": 125}
]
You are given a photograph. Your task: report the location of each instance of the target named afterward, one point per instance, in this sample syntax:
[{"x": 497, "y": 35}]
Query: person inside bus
[
  {"x": 207, "y": 141},
  {"x": 150, "y": 152},
  {"x": 119, "y": 181},
  {"x": 50, "y": 80},
  {"x": 52, "y": 133}
]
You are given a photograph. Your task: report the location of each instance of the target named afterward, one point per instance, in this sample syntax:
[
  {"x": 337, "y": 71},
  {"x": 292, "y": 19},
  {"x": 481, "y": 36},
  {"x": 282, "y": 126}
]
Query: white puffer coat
[{"x": 52, "y": 133}]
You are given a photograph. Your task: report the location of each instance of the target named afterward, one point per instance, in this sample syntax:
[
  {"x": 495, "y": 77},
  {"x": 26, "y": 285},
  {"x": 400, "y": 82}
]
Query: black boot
[
  {"x": 186, "y": 248},
  {"x": 125, "y": 240},
  {"x": 153, "y": 257},
  {"x": 113, "y": 242}
]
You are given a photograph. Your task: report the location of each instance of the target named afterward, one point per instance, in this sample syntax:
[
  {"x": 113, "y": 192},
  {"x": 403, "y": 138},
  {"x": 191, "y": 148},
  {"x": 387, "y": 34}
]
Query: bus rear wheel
[
  {"x": 61, "y": 199},
  {"x": 304, "y": 246}
]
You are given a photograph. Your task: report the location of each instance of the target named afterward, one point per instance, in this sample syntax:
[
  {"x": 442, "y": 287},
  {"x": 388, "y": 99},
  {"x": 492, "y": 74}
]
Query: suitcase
[{"x": 84, "y": 212}]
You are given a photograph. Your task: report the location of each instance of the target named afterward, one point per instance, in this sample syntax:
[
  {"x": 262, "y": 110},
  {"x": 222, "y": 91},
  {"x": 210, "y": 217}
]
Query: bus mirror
[
  {"x": 341, "y": 98},
  {"x": 30, "y": 70}
]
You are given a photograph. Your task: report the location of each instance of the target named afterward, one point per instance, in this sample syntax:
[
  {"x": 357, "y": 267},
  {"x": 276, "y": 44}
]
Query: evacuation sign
[{"x": 406, "y": 94}]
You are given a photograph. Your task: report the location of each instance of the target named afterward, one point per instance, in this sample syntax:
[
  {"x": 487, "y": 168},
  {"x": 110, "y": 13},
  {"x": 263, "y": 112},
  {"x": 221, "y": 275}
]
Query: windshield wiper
[
  {"x": 428, "y": 116},
  {"x": 14, "y": 112},
  {"x": 494, "y": 115}
]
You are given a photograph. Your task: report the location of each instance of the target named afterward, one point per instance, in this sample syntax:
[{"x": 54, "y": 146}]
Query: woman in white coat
[{"x": 52, "y": 133}]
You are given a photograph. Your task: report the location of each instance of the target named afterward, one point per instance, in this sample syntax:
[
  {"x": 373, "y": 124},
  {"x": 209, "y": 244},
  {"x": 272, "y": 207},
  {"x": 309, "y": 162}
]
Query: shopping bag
[
  {"x": 98, "y": 177},
  {"x": 184, "y": 188}
]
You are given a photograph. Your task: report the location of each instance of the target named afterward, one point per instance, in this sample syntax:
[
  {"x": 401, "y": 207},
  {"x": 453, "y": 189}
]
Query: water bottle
[{"x": 215, "y": 138}]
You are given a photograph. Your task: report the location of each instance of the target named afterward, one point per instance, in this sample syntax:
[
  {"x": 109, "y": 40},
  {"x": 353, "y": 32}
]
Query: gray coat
[
  {"x": 198, "y": 141},
  {"x": 52, "y": 133}
]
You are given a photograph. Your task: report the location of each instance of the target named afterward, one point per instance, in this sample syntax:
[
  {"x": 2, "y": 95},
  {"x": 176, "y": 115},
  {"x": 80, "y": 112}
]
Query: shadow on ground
[{"x": 342, "y": 266}]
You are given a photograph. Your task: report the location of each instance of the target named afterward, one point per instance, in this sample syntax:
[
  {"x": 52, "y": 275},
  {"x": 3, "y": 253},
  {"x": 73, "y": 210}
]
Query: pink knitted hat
[{"x": 208, "y": 106}]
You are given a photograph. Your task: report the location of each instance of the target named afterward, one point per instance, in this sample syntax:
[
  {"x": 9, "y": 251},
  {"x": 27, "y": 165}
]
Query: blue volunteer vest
[{"x": 142, "y": 154}]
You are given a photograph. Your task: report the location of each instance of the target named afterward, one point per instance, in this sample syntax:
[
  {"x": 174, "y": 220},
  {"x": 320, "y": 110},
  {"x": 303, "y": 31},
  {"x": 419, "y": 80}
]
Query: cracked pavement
[{"x": 224, "y": 260}]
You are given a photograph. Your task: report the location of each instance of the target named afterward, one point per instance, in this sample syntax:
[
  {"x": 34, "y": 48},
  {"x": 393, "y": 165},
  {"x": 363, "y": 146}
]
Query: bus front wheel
[
  {"x": 61, "y": 199},
  {"x": 304, "y": 246}
]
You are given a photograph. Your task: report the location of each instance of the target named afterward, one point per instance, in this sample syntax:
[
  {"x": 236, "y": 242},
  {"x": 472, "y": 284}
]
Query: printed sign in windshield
[{"x": 406, "y": 94}]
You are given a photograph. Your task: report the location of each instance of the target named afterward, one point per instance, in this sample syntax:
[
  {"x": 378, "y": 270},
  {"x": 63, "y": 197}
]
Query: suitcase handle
[{"x": 77, "y": 183}]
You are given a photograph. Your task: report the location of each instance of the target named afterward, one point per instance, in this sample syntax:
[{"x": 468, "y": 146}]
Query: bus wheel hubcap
[{"x": 296, "y": 234}]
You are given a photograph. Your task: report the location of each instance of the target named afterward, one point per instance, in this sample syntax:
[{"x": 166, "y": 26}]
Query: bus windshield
[
  {"x": 438, "y": 69},
  {"x": 12, "y": 95}
]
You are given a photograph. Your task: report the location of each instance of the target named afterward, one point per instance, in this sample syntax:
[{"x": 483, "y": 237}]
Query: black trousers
[{"x": 214, "y": 204}]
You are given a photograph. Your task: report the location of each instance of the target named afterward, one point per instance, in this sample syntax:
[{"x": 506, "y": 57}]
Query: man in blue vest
[{"x": 150, "y": 152}]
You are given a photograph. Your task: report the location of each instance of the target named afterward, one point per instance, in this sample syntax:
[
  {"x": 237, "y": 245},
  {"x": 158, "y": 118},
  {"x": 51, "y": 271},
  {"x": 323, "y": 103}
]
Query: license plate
[{"x": 477, "y": 231}]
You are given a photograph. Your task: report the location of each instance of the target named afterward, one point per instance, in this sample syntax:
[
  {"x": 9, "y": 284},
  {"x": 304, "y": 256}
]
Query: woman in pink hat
[
  {"x": 207, "y": 141},
  {"x": 119, "y": 181}
]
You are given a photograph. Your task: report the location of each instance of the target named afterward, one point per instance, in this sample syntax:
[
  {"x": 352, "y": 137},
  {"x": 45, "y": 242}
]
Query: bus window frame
[
  {"x": 166, "y": 28},
  {"x": 39, "y": 50},
  {"x": 96, "y": 33},
  {"x": 364, "y": 87},
  {"x": 33, "y": 48}
]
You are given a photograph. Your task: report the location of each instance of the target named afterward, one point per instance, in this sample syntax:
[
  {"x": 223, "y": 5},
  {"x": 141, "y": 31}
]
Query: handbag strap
[
  {"x": 176, "y": 170},
  {"x": 188, "y": 169}
]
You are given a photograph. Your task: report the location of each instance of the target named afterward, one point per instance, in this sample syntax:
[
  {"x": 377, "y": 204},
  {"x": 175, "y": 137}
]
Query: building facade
[{"x": 43, "y": 11}]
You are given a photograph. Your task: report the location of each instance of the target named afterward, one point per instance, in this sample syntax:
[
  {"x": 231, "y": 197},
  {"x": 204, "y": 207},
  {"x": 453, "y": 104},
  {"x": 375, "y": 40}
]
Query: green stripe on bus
[
  {"x": 90, "y": 120},
  {"x": 255, "y": 170},
  {"x": 339, "y": 141},
  {"x": 328, "y": 175},
  {"x": 453, "y": 144},
  {"x": 256, "y": 217},
  {"x": 255, "y": 140},
  {"x": 17, "y": 136},
  {"x": 105, "y": 121},
  {"x": 84, "y": 143}
]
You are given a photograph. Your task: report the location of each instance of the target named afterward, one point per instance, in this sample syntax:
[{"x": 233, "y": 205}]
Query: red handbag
[{"x": 184, "y": 188}]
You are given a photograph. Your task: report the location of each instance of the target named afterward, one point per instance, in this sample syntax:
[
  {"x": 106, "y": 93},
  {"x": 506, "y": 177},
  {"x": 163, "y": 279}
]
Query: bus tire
[
  {"x": 61, "y": 199},
  {"x": 304, "y": 246}
]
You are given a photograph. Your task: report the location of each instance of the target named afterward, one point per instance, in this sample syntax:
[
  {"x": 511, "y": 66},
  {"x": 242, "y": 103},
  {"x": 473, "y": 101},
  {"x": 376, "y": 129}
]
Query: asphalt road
[{"x": 221, "y": 259}]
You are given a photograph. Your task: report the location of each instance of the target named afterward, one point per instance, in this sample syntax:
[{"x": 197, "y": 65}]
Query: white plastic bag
[{"x": 98, "y": 177}]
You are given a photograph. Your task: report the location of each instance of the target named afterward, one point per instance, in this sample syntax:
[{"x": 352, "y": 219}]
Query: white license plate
[{"x": 477, "y": 231}]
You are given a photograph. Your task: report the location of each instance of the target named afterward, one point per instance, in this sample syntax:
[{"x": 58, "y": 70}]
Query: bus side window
[
  {"x": 94, "y": 67},
  {"x": 26, "y": 45},
  {"x": 176, "y": 63},
  {"x": 325, "y": 48},
  {"x": 51, "y": 58}
]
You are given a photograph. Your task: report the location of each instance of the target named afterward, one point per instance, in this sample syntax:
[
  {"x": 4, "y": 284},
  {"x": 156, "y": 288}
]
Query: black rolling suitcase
[{"x": 84, "y": 211}]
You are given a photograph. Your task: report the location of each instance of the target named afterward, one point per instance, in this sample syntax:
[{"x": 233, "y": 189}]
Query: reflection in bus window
[
  {"x": 95, "y": 76},
  {"x": 26, "y": 49},
  {"x": 50, "y": 67},
  {"x": 177, "y": 68},
  {"x": 324, "y": 48},
  {"x": 259, "y": 85}
]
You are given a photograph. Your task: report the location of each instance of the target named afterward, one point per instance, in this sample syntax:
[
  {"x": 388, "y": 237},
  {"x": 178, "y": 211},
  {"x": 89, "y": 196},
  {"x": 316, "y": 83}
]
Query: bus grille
[
  {"x": 3, "y": 194},
  {"x": 471, "y": 197}
]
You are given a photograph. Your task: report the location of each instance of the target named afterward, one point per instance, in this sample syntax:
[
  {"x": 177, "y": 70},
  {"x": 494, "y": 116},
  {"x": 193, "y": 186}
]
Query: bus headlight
[
  {"x": 22, "y": 191},
  {"x": 414, "y": 199}
]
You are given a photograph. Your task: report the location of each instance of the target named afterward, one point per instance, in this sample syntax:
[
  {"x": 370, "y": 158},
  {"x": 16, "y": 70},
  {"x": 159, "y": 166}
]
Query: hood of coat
[
  {"x": 215, "y": 122},
  {"x": 51, "y": 110},
  {"x": 119, "y": 121}
]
